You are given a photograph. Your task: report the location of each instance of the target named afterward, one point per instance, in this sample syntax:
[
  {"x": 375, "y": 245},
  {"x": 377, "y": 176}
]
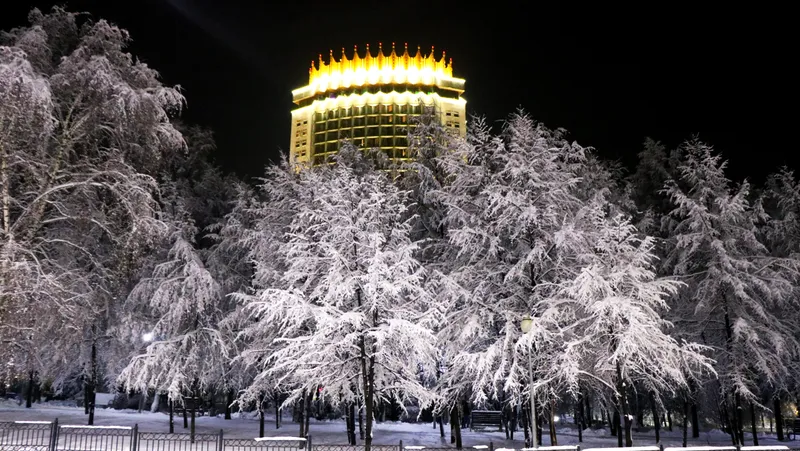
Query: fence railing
[{"x": 50, "y": 436}]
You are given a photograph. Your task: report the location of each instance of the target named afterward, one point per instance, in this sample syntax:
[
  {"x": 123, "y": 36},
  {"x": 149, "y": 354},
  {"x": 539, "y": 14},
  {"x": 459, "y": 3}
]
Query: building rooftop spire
[{"x": 381, "y": 68}]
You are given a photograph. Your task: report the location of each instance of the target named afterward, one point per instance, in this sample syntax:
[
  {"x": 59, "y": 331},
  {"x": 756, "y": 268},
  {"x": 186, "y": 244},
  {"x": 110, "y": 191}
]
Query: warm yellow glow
[
  {"x": 378, "y": 98},
  {"x": 381, "y": 69}
]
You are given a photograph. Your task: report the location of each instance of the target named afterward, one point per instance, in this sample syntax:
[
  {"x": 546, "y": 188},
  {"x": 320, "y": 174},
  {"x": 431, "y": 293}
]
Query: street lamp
[
  {"x": 526, "y": 325},
  {"x": 147, "y": 337}
]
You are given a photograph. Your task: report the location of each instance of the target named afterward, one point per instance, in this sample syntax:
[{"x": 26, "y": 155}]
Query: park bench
[
  {"x": 482, "y": 419},
  {"x": 178, "y": 411},
  {"x": 795, "y": 429}
]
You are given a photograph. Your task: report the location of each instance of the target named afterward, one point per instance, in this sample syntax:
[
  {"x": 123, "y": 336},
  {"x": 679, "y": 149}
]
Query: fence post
[
  {"x": 54, "y": 435},
  {"x": 220, "y": 443},
  {"x": 578, "y": 448},
  {"x": 135, "y": 437},
  {"x": 401, "y": 445},
  {"x": 308, "y": 442},
  {"x": 491, "y": 445}
]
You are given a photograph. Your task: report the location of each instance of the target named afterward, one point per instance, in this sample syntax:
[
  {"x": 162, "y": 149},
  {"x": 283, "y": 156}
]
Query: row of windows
[
  {"x": 368, "y": 109},
  {"x": 394, "y": 154},
  {"x": 336, "y": 124},
  {"x": 360, "y": 132},
  {"x": 373, "y": 109},
  {"x": 301, "y": 142},
  {"x": 368, "y": 142}
]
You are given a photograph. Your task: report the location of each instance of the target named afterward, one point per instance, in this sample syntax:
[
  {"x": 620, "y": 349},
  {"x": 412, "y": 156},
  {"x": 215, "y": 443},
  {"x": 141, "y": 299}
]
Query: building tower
[{"x": 370, "y": 100}]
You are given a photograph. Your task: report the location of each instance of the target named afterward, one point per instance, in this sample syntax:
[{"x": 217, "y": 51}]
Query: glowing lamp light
[
  {"x": 527, "y": 324},
  {"x": 147, "y": 337},
  {"x": 556, "y": 418}
]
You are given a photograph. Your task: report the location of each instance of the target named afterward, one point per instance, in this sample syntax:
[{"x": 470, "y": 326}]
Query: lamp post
[{"x": 526, "y": 325}]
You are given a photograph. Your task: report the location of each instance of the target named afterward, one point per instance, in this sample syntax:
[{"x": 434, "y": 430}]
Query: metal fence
[
  {"x": 50, "y": 436},
  {"x": 95, "y": 438},
  {"x": 27, "y": 435},
  {"x": 178, "y": 442}
]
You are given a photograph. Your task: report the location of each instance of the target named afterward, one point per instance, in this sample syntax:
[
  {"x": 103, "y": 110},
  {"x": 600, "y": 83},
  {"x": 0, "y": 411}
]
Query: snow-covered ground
[{"x": 245, "y": 426}]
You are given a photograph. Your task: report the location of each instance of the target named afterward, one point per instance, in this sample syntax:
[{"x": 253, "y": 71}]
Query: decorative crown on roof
[{"x": 381, "y": 62}]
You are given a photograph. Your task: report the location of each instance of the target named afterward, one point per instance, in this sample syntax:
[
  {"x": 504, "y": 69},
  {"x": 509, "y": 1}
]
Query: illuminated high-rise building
[{"x": 371, "y": 100}]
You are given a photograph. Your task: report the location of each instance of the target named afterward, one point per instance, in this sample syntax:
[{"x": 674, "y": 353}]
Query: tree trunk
[
  {"x": 455, "y": 426},
  {"x": 669, "y": 420},
  {"x": 193, "y": 429},
  {"x": 86, "y": 395},
  {"x": 736, "y": 415},
  {"x": 617, "y": 428},
  {"x": 229, "y": 402},
  {"x": 368, "y": 378},
  {"x": 307, "y": 413},
  {"x": 142, "y": 400},
  {"x": 739, "y": 418},
  {"x": 360, "y": 423},
  {"x": 261, "y": 416},
  {"x": 656, "y": 419},
  {"x": 685, "y": 421},
  {"x": 753, "y": 423},
  {"x": 778, "y": 418},
  {"x": 171, "y": 417},
  {"x": 581, "y": 416},
  {"x": 553, "y": 438},
  {"x": 612, "y": 422},
  {"x": 351, "y": 424},
  {"x": 302, "y": 414},
  {"x": 29, "y": 395},
  {"x": 185, "y": 418},
  {"x": 156, "y": 403},
  {"x": 93, "y": 378},
  {"x": 589, "y": 413},
  {"x": 526, "y": 427},
  {"x": 539, "y": 423},
  {"x": 695, "y": 421},
  {"x": 441, "y": 426},
  {"x": 623, "y": 407},
  {"x": 640, "y": 408}
]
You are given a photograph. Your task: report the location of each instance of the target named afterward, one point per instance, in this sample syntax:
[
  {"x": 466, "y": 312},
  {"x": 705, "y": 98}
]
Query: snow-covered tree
[
  {"x": 182, "y": 299},
  {"x": 616, "y": 334},
  {"x": 508, "y": 200},
  {"x": 81, "y": 194},
  {"x": 736, "y": 291},
  {"x": 349, "y": 313},
  {"x": 177, "y": 301}
]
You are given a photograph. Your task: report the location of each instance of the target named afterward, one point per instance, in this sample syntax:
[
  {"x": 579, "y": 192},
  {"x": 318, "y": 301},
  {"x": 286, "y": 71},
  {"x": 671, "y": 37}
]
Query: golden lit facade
[{"x": 371, "y": 100}]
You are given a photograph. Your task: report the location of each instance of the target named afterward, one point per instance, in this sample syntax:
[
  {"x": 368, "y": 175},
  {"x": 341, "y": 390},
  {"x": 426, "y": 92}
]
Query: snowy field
[{"x": 245, "y": 426}]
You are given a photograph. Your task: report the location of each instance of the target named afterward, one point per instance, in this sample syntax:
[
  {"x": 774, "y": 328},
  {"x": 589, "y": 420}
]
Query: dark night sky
[{"x": 609, "y": 76}]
